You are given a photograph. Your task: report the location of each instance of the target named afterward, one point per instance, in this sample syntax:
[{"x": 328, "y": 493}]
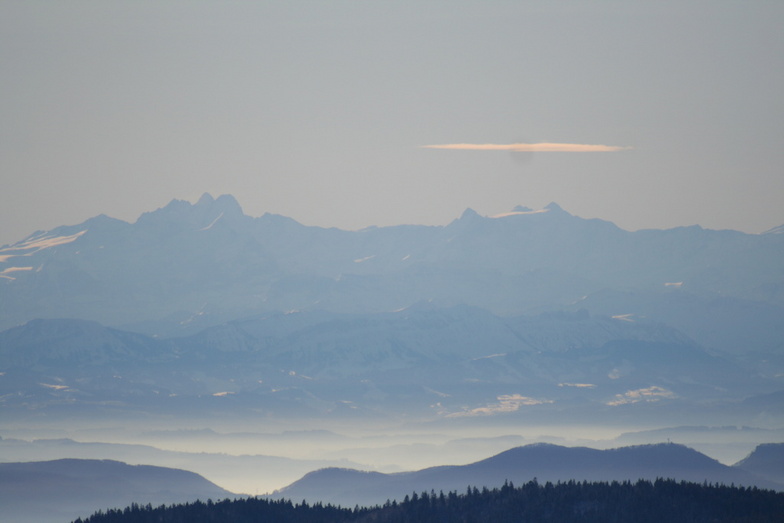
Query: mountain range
[
  {"x": 240, "y": 472},
  {"x": 542, "y": 462},
  {"x": 49, "y": 491},
  {"x": 421, "y": 362},
  {"x": 186, "y": 266},
  {"x": 199, "y": 309}
]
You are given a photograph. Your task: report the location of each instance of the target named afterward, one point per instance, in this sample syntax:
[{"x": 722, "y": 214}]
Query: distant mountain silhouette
[
  {"x": 237, "y": 473},
  {"x": 186, "y": 266},
  {"x": 522, "y": 464},
  {"x": 62, "y": 490}
]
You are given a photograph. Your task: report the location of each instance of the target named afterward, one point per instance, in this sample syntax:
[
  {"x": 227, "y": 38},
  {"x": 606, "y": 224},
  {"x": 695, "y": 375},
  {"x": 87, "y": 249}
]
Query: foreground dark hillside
[{"x": 643, "y": 501}]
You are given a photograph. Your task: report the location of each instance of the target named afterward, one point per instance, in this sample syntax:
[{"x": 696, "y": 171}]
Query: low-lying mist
[{"x": 252, "y": 457}]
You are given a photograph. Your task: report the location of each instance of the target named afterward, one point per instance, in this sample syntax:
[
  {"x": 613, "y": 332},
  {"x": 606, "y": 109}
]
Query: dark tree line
[
  {"x": 243, "y": 510},
  {"x": 579, "y": 502}
]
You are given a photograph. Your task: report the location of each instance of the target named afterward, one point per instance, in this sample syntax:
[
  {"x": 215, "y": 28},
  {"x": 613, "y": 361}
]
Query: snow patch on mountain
[
  {"x": 36, "y": 243},
  {"x": 207, "y": 228},
  {"x": 647, "y": 395},
  {"x": 519, "y": 213},
  {"x": 5, "y": 272},
  {"x": 506, "y": 403},
  {"x": 437, "y": 393},
  {"x": 489, "y": 356},
  {"x": 54, "y": 386}
]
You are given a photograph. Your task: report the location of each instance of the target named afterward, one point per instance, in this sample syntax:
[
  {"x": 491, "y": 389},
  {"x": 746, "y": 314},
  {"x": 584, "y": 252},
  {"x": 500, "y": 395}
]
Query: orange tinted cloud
[{"x": 531, "y": 147}]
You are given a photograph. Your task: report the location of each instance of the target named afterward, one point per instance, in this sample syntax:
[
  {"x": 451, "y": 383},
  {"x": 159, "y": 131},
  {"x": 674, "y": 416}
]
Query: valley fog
[{"x": 248, "y": 458}]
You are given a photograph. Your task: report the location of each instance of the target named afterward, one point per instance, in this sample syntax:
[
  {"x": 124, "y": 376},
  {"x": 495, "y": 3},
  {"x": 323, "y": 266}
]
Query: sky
[{"x": 650, "y": 114}]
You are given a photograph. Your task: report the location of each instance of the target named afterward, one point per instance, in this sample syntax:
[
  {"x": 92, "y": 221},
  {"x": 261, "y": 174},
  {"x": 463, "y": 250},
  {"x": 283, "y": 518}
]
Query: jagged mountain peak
[
  {"x": 205, "y": 213},
  {"x": 225, "y": 203},
  {"x": 205, "y": 199},
  {"x": 468, "y": 219},
  {"x": 469, "y": 214}
]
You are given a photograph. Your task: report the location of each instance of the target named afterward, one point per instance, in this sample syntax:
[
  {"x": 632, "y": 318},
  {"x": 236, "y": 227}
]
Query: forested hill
[{"x": 643, "y": 501}]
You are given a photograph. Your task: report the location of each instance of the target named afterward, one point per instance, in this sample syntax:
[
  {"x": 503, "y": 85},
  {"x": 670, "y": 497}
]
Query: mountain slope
[
  {"x": 246, "y": 473},
  {"x": 766, "y": 461},
  {"x": 64, "y": 489}
]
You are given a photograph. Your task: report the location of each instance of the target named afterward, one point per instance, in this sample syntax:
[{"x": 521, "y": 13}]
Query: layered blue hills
[{"x": 540, "y": 462}]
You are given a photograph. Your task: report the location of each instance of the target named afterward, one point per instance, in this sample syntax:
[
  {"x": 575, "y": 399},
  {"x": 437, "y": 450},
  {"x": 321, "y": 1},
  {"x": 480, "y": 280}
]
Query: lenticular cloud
[{"x": 531, "y": 147}]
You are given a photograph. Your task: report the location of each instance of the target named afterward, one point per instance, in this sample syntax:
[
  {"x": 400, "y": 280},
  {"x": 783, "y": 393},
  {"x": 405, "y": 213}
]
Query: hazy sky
[{"x": 321, "y": 110}]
